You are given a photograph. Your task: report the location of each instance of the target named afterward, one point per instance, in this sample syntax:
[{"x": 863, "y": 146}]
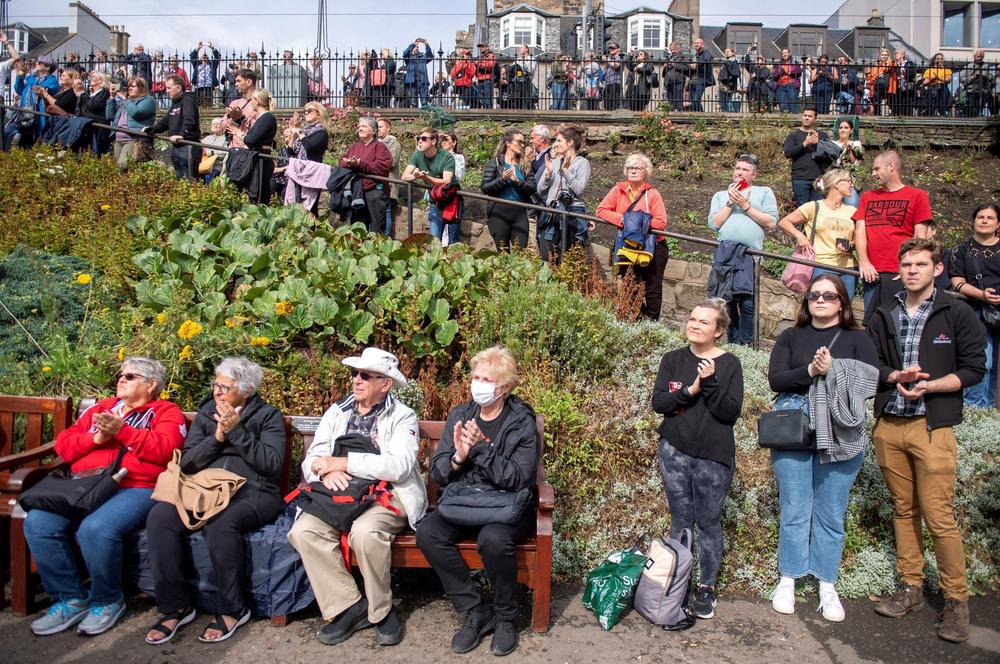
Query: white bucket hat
[{"x": 376, "y": 360}]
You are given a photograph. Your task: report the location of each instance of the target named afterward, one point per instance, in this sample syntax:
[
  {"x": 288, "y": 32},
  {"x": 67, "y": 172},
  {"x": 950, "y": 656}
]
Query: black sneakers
[
  {"x": 504, "y": 638},
  {"x": 478, "y": 623},
  {"x": 389, "y": 630},
  {"x": 704, "y": 602},
  {"x": 347, "y": 623}
]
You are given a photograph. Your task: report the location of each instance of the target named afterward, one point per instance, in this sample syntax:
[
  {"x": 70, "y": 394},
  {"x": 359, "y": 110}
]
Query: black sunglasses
[
  {"x": 748, "y": 157},
  {"x": 364, "y": 375},
  {"x": 829, "y": 296},
  {"x": 129, "y": 377}
]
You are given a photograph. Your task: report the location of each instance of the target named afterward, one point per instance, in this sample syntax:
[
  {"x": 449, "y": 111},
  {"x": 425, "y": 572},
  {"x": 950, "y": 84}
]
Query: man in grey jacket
[{"x": 370, "y": 411}]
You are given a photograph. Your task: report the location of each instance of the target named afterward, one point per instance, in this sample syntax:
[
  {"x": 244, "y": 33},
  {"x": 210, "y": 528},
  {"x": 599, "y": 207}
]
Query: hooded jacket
[
  {"x": 953, "y": 341},
  {"x": 152, "y": 432},
  {"x": 509, "y": 463},
  {"x": 253, "y": 449}
]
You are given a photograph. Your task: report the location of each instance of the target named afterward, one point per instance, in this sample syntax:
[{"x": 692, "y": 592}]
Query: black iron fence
[{"x": 416, "y": 77}]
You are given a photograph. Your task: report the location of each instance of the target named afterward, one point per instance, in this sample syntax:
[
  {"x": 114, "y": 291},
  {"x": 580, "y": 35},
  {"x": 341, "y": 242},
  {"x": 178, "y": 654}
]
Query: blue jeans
[
  {"x": 844, "y": 102},
  {"x": 984, "y": 393},
  {"x": 560, "y": 97},
  {"x": 850, "y": 281},
  {"x": 185, "y": 160},
  {"x": 437, "y": 225},
  {"x": 388, "y": 219},
  {"x": 803, "y": 192},
  {"x": 696, "y": 90},
  {"x": 99, "y": 535},
  {"x": 484, "y": 94},
  {"x": 813, "y": 499},
  {"x": 741, "y": 317},
  {"x": 726, "y": 101},
  {"x": 788, "y": 96},
  {"x": 418, "y": 93},
  {"x": 821, "y": 100}
]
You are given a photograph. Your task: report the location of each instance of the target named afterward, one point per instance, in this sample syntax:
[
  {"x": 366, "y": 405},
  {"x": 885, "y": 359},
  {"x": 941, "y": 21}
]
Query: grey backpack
[{"x": 661, "y": 596}]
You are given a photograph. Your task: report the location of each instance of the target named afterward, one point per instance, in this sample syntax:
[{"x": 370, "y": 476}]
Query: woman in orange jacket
[
  {"x": 637, "y": 194},
  {"x": 882, "y": 80},
  {"x": 463, "y": 75}
]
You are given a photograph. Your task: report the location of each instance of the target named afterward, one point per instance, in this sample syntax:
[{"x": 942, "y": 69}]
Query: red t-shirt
[{"x": 890, "y": 217}]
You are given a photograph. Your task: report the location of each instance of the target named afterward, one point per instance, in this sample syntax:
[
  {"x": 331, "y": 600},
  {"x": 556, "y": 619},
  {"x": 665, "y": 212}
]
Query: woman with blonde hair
[
  {"x": 310, "y": 135},
  {"x": 827, "y": 226},
  {"x": 259, "y": 138},
  {"x": 508, "y": 176}
]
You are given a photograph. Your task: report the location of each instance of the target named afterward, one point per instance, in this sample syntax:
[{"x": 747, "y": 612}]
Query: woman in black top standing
[
  {"x": 260, "y": 138},
  {"x": 813, "y": 491},
  {"x": 980, "y": 255},
  {"x": 93, "y": 104},
  {"x": 699, "y": 392}
]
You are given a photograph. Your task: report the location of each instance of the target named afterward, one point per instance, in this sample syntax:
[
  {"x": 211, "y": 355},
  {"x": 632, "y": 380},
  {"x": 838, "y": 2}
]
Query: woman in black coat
[
  {"x": 490, "y": 441},
  {"x": 93, "y": 104},
  {"x": 508, "y": 175},
  {"x": 260, "y": 138},
  {"x": 237, "y": 431}
]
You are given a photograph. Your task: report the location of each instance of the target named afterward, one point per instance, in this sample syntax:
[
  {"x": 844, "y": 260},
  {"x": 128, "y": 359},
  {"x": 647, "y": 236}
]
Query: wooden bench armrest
[
  {"x": 28, "y": 477},
  {"x": 13, "y": 461},
  {"x": 546, "y": 497}
]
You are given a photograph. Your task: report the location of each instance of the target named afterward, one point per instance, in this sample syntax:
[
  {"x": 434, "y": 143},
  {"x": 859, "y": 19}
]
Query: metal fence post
[
  {"x": 756, "y": 302},
  {"x": 564, "y": 240},
  {"x": 409, "y": 209}
]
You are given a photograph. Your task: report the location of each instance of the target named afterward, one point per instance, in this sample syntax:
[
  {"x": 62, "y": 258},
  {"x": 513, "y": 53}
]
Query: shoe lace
[
  {"x": 505, "y": 628},
  {"x": 950, "y": 610},
  {"x": 59, "y": 608},
  {"x": 703, "y": 594}
]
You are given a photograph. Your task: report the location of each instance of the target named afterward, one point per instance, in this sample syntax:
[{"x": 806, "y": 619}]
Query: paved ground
[{"x": 744, "y": 630}]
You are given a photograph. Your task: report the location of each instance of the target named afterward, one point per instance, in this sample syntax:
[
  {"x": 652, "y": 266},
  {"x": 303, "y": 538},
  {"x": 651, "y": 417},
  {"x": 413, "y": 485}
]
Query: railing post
[
  {"x": 756, "y": 302},
  {"x": 564, "y": 240},
  {"x": 409, "y": 209}
]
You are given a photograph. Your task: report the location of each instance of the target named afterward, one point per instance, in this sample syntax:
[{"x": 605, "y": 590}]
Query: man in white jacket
[{"x": 370, "y": 411}]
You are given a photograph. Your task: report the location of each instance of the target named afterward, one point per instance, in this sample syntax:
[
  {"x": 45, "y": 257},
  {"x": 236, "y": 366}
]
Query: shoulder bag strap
[
  {"x": 975, "y": 265},
  {"x": 835, "y": 337},
  {"x": 812, "y": 235}
]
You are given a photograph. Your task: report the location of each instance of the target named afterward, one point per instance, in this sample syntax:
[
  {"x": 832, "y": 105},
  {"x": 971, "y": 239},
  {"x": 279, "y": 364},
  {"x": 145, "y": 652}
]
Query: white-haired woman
[
  {"x": 92, "y": 104},
  {"x": 150, "y": 429},
  {"x": 699, "y": 392},
  {"x": 491, "y": 440},
  {"x": 636, "y": 194},
  {"x": 237, "y": 430}
]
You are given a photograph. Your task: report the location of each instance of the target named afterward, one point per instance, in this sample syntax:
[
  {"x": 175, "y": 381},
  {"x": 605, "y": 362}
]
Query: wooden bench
[{"x": 533, "y": 556}]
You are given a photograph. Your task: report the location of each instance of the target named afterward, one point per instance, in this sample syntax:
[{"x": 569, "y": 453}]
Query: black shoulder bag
[
  {"x": 990, "y": 312},
  {"x": 64, "y": 493}
]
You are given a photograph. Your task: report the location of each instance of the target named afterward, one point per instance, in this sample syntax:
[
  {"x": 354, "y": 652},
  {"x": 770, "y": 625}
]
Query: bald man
[
  {"x": 978, "y": 78},
  {"x": 886, "y": 218}
]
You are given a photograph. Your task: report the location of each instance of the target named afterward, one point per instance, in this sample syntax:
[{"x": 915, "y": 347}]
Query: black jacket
[
  {"x": 181, "y": 120},
  {"x": 346, "y": 191},
  {"x": 509, "y": 463},
  {"x": 254, "y": 449},
  {"x": 493, "y": 183},
  {"x": 953, "y": 341}
]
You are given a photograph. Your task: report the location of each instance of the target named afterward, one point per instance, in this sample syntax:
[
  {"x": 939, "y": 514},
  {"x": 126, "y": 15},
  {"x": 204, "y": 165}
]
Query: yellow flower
[
  {"x": 260, "y": 341},
  {"x": 189, "y": 329},
  {"x": 161, "y": 318},
  {"x": 283, "y": 308},
  {"x": 83, "y": 278},
  {"x": 186, "y": 353},
  {"x": 172, "y": 386},
  {"x": 105, "y": 207},
  {"x": 235, "y": 321},
  {"x": 164, "y": 395},
  {"x": 121, "y": 353},
  {"x": 34, "y": 311},
  {"x": 46, "y": 369}
]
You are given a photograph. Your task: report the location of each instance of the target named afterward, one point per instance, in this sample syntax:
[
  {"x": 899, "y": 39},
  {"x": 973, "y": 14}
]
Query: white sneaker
[
  {"x": 783, "y": 598},
  {"x": 829, "y": 603}
]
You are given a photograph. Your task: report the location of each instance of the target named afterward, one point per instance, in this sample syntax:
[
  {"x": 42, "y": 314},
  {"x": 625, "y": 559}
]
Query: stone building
[{"x": 84, "y": 34}]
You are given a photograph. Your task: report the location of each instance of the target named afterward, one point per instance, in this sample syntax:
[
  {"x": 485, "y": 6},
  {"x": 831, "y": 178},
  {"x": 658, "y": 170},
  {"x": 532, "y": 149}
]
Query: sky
[{"x": 181, "y": 24}]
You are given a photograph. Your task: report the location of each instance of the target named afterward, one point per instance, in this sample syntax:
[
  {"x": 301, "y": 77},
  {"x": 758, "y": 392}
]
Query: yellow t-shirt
[{"x": 833, "y": 225}]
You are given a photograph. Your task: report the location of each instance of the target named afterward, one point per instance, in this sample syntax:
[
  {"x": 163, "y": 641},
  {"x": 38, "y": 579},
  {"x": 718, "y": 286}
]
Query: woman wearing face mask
[
  {"x": 491, "y": 440},
  {"x": 699, "y": 392}
]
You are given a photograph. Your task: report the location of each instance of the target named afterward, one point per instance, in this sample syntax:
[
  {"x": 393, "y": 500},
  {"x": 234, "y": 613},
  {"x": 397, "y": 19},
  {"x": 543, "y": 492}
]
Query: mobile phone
[{"x": 742, "y": 184}]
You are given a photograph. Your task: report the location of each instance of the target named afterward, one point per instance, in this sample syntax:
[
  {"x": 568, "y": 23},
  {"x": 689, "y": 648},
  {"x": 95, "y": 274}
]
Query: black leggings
[
  {"x": 651, "y": 277},
  {"x": 508, "y": 225}
]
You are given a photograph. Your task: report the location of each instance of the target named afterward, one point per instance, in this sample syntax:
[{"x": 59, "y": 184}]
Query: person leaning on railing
[
  {"x": 135, "y": 112},
  {"x": 93, "y": 104},
  {"x": 937, "y": 79},
  {"x": 635, "y": 193},
  {"x": 831, "y": 221}
]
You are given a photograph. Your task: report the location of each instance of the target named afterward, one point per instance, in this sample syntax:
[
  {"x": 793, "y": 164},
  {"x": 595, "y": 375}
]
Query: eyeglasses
[
  {"x": 364, "y": 375},
  {"x": 748, "y": 157},
  {"x": 129, "y": 377},
  {"x": 220, "y": 388},
  {"x": 424, "y": 138},
  {"x": 635, "y": 168},
  {"x": 310, "y": 110},
  {"x": 828, "y": 296}
]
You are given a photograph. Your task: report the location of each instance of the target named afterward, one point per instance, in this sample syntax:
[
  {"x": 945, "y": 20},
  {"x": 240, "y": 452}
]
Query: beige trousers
[{"x": 371, "y": 540}]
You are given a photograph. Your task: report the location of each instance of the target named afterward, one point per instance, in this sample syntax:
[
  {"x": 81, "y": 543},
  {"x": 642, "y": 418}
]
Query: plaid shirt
[
  {"x": 364, "y": 424},
  {"x": 910, "y": 329}
]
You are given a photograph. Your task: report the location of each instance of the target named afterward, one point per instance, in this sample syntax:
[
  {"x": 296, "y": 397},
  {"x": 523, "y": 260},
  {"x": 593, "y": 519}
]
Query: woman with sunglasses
[
  {"x": 150, "y": 429},
  {"x": 508, "y": 175},
  {"x": 236, "y": 430},
  {"x": 826, "y": 227},
  {"x": 813, "y": 485}
]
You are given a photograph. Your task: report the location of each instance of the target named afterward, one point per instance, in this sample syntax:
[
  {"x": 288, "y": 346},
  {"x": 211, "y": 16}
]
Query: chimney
[
  {"x": 875, "y": 20},
  {"x": 119, "y": 41}
]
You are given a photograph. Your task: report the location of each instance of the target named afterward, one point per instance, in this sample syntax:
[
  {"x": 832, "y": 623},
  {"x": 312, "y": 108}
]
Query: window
[
  {"x": 523, "y": 28},
  {"x": 582, "y": 48},
  {"x": 989, "y": 28},
  {"x": 956, "y": 25},
  {"x": 647, "y": 32},
  {"x": 741, "y": 40},
  {"x": 805, "y": 43},
  {"x": 869, "y": 46},
  {"x": 19, "y": 38}
]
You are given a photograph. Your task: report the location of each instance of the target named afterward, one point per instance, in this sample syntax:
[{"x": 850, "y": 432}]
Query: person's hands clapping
[
  {"x": 822, "y": 361},
  {"x": 227, "y": 418}
]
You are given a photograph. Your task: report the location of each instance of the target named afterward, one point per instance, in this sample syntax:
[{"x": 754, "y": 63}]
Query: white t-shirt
[{"x": 5, "y": 68}]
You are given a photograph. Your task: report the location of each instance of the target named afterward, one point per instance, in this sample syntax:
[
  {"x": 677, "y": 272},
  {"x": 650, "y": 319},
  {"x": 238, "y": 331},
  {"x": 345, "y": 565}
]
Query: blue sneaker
[
  {"x": 63, "y": 614},
  {"x": 102, "y": 618}
]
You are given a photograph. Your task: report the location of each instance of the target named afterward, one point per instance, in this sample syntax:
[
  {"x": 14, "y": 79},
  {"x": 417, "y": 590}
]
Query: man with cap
[
  {"x": 371, "y": 411},
  {"x": 613, "y": 78},
  {"x": 486, "y": 70}
]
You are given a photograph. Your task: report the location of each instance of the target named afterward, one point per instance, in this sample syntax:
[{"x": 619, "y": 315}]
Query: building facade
[{"x": 84, "y": 33}]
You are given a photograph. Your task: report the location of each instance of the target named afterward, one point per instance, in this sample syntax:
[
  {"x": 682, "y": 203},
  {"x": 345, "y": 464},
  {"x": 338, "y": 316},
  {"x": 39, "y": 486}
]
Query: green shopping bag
[{"x": 611, "y": 585}]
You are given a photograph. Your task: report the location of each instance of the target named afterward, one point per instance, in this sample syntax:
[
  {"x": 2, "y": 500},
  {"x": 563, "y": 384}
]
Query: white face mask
[{"x": 484, "y": 393}]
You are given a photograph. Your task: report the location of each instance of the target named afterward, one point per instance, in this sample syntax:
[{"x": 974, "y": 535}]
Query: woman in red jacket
[
  {"x": 150, "y": 429},
  {"x": 463, "y": 73},
  {"x": 636, "y": 193}
]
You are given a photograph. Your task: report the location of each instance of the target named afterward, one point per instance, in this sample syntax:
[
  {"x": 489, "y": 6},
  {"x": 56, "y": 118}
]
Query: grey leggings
[{"x": 696, "y": 491}]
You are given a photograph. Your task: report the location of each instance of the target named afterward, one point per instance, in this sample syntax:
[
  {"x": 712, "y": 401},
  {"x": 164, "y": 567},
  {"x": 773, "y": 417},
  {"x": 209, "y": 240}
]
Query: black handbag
[
  {"x": 74, "y": 497},
  {"x": 476, "y": 505},
  {"x": 990, "y": 312}
]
